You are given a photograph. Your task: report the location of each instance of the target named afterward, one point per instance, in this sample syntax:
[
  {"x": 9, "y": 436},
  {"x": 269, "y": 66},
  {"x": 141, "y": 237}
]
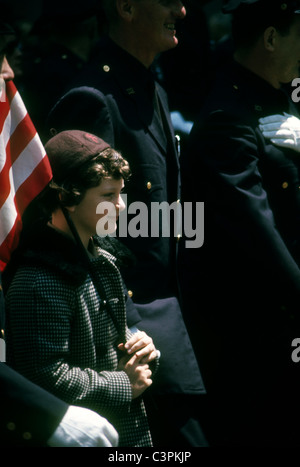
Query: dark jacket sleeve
[
  {"x": 235, "y": 191},
  {"x": 29, "y": 414}
]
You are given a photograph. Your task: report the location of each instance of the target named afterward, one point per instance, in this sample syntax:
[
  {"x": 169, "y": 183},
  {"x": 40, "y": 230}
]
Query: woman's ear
[
  {"x": 62, "y": 200},
  {"x": 70, "y": 208},
  {"x": 125, "y": 9},
  {"x": 270, "y": 37}
]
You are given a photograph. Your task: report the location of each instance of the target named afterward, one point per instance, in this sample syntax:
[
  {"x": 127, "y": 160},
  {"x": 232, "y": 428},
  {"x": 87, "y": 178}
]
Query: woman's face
[{"x": 99, "y": 209}]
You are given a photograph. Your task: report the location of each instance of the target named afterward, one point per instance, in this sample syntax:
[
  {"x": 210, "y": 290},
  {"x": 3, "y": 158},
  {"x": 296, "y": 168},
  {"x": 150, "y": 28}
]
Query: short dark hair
[
  {"x": 250, "y": 21},
  {"x": 71, "y": 191},
  {"x": 109, "y": 163}
]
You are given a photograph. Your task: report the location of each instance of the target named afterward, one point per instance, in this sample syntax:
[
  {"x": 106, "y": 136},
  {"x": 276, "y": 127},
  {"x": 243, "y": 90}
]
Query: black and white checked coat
[{"x": 61, "y": 336}]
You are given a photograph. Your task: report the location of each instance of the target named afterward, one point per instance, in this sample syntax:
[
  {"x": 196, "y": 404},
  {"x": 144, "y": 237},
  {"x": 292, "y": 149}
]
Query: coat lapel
[
  {"x": 136, "y": 95},
  {"x": 148, "y": 116},
  {"x": 132, "y": 81}
]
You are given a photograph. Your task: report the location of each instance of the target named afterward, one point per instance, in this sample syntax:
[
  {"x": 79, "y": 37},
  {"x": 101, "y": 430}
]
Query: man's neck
[
  {"x": 133, "y": 47},
  {"x": 258, "y": 65}
]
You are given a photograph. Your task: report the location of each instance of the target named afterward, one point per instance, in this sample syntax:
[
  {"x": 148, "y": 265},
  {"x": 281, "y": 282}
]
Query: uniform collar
[
  {"x": 262, "y": 94},
  {"x": 113, "y": 56}
]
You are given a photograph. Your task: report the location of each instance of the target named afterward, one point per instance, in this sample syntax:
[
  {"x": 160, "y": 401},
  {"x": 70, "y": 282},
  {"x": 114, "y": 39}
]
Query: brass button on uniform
[
  {"x": 27, "y": 436},
  {"x": 130, "y": 91},
  {"x": 130, "y": 293},
  {"x": 11, "y": 426},
  {"x": 106, "y": 68},
  {"x": 149, "y": 185},
  {"x": 285, "y": 185}
]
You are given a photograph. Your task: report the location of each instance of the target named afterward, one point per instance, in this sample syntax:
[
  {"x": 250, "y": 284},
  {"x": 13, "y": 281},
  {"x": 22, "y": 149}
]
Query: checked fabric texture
[{"x": 61, "y": 335}]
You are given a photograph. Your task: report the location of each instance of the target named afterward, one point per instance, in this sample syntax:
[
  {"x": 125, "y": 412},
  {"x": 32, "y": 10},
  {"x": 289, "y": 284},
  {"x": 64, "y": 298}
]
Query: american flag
[{"x": 24, "y": 167}]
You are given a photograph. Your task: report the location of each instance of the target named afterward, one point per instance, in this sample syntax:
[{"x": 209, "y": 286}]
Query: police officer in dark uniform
[{"x": 245, "y": 311}]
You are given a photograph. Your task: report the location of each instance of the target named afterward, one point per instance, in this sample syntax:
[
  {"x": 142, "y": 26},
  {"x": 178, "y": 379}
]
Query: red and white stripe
[{"x": 24, "y": 168}]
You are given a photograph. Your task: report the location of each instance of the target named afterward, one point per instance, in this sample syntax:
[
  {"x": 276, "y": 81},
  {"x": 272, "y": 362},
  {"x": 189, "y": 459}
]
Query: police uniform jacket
[
  {"x": 29, "y": 414},
  {"x": 248, "y": 277},
  {"x": 46, "y": 74},
  {"x": 116, "y": 98},
  {"x": 63, "y": 331}
]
